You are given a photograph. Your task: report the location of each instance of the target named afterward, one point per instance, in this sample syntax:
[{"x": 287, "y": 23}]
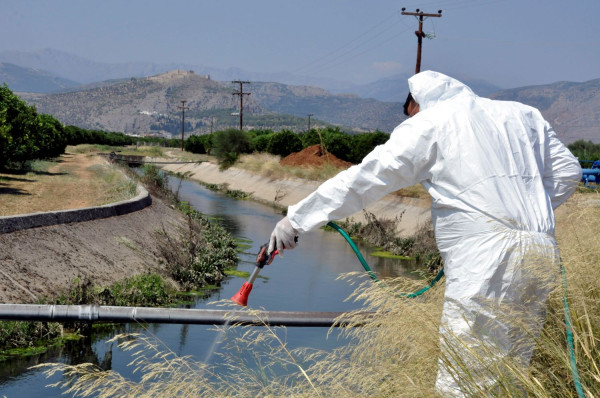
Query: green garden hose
[
  {"x": 570, "y": 345},
  {"x": 371, "y": 273},
  {"x": 439, "y": 276}
]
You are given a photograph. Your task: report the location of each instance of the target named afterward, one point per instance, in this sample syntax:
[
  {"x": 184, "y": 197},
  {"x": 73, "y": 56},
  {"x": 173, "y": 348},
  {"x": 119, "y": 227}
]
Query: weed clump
[
  {"x": 201, "y": 253},
  {"x": 383, "y": 233}
]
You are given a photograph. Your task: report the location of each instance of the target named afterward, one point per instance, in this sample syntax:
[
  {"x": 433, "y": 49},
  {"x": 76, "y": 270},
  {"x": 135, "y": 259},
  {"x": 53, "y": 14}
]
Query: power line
[
  {"x": 325, "y": 67},
  {"x": 347, "y": 55},
  {"x": 351, "y": 48},
  {"x": 454, "y": 5},
  {"x": 356, "y": 47},
  {"x": 378, "y": 25}
]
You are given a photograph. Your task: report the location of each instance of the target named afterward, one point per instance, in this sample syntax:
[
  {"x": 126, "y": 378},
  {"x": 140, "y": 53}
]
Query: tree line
[
  {"x": 27, "y": 135},
  {"x": 585, "y": 151},
  {"x": 227, "y": 145}
]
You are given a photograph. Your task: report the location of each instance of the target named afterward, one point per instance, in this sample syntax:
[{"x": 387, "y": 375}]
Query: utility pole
[
  {"x": 183, "y": 108},
  {"x": 212, "y": 119},
  {"x": 241, "y": 93},
  {"x": 420, "y": 35},
  {"x": 309, "y": 115}
]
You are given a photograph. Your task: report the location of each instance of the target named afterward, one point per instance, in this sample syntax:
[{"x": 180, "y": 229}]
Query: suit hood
[{"x": 429, "y": 88}]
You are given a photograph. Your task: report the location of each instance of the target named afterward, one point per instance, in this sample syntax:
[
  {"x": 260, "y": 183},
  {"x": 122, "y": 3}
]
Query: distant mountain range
[
  {"x": 77, "y": 70},
  {"x": 28, "y": 79},
  {"x": 83, "y": 71},
  {"x": 395, "y": 88},
  {"x": 573, "y": 109},
  {"x": 151, "y": 105},
  {"x": 141, "y": 98}
]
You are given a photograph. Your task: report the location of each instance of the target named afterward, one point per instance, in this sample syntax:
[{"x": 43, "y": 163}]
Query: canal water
[{"x": 304, "y": 279}]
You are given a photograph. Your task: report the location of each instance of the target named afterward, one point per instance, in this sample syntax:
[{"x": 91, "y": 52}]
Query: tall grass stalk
[{"x": 395, "y": 352}]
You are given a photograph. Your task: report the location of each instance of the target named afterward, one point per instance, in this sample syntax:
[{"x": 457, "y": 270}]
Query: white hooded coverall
[{"x": 495, "y": 171}]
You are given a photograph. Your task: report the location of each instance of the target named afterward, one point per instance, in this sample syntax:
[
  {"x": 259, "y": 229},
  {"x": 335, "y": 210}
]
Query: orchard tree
[
  {"x": 364, "y": 143},
  {"x": 283, "y": 143},
  {"x": 199, "y": 143},
  {"x": 51, "y": 137},
  {"x": 19, "y": 128},
  {"x": 585, "y": 150}
]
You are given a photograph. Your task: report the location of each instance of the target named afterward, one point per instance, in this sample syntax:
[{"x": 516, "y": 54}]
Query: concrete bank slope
[
  {"x": 48, "y": 260},
  {"x": 25, "y": 221},
  {"x": 287, "y": 192}
]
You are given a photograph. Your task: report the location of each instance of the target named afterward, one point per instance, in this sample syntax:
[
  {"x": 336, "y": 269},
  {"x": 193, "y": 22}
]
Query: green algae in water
[
  {"x": 239, "y": 274},
  {"x": 387, "y": 254},
  {"x": 242, "y": 244}
]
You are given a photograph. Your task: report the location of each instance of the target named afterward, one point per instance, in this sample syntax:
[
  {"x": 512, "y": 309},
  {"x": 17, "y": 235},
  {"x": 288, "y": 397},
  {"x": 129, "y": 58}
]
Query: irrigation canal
[{"x": 305, "y": 279}]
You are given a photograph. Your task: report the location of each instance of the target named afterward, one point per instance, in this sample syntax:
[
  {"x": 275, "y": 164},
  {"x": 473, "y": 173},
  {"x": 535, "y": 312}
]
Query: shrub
[
  {"x": 585, "y": 150},
  {"x": 20, "y": 132},
  {"x": 140, "y": 290},
  {"x": 364, "y": 143},
  {"x": 283, "y": 143},
  {"x": 52, "y": 137},
  {"x": 228, "y": 145},
  {"x": 312, "y": 137},
  {"x": 338, "y": 144},
  {"x": 332, "y": 139},
  {"x": 198, "y": 143},
  {"x": 77, "y": 135},
  {"x": 201, "y": 254},
  {"x": 260, "y": 143},
  {"x": 156, "y": 181}
]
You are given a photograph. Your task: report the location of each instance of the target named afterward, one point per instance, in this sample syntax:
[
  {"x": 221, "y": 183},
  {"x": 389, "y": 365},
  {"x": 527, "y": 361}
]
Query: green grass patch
[
  {"x": 38, "y": 346},
  {"x": 241, "y": 248},
  {"x": 26, "y": 351},
  {"x": 387, "y": 254},
  {"x": 152, "y": 151},
  {"x": 237, "y": 194},
  {"x": 235, "y": 272}
]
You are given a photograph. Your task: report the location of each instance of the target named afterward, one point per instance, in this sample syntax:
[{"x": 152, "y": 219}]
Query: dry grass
[
  {"x": 74, "y": 180},
  {"x": 185, "y": 156},
  {"x": 393, "y": 354},
  {"x": 268, "y": 165},
  {"x": 415, "y": 191}
]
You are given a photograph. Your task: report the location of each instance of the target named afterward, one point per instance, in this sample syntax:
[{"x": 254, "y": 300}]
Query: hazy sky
[{"x": 507, "y": 42}]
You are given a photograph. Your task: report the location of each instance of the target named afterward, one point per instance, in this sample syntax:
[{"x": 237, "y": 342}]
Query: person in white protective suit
[{"x": 495, "y": 171}]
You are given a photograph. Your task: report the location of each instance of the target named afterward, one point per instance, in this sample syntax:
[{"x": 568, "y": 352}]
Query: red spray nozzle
[
  {"x": 262, "y": 258},
  {"x": 241, "y": 297}
]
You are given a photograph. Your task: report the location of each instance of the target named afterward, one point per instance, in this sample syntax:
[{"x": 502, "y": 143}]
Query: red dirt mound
[{"x": 313, "y": 156}]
